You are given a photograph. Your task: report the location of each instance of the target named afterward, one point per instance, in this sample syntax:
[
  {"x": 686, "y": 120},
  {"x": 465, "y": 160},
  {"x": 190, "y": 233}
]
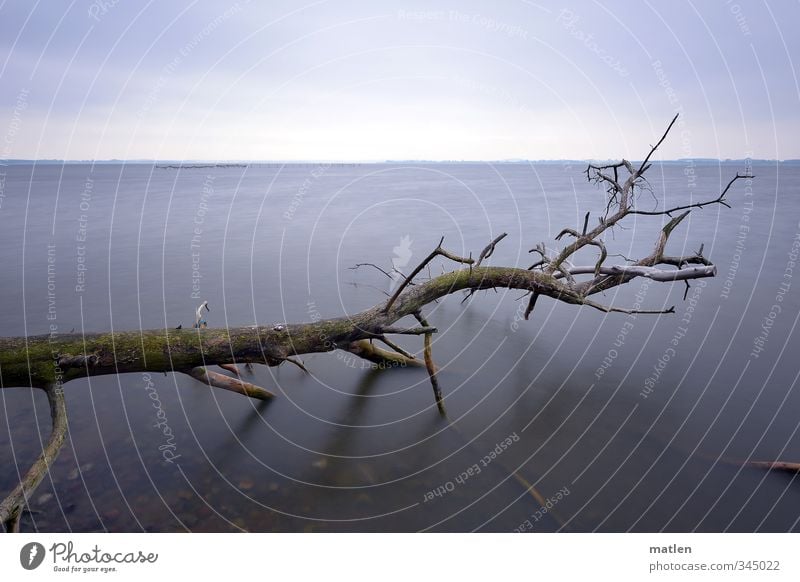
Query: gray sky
[{"x": 440, "y": 80}]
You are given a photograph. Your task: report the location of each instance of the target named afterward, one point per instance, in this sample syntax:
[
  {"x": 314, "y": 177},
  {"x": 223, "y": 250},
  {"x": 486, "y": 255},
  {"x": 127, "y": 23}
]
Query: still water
[{"x": 619, "y": 423}]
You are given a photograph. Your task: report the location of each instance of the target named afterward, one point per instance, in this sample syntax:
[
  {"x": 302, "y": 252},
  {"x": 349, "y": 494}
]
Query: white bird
[{"x": 198, "y": 320}]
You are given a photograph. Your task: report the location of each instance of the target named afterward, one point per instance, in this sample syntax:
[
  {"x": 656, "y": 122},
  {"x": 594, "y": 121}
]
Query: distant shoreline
[{"x": 194, "y": 164}]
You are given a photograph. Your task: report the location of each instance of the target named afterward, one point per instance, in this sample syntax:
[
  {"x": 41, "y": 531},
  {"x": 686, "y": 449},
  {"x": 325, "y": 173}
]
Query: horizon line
[{"x": 24, "y": 161}]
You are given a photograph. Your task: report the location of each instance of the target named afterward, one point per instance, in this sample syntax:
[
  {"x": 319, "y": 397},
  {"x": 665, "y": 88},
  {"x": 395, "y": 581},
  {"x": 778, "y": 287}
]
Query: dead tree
[{"x": 49, "y": 361}]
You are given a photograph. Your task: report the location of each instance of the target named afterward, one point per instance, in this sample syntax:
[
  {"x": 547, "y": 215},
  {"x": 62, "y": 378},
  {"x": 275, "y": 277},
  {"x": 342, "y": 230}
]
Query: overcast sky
[{"x": 441, "y": 80}]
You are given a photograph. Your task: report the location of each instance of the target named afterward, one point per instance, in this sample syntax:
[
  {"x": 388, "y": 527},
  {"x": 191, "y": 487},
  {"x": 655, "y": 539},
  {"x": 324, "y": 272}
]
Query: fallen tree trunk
[{"x": 40, "y": 361}]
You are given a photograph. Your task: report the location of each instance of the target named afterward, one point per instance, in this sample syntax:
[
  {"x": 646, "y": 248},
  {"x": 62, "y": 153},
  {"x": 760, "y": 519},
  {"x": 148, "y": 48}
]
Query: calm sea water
[{"x": 627, "y": 423}]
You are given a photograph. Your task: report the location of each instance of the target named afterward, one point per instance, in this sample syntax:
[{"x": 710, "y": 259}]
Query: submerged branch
[
  {"x": 13, "y": 504},
  {"x": 430, "y": 365},
  {"x": 227, "y": 383}
]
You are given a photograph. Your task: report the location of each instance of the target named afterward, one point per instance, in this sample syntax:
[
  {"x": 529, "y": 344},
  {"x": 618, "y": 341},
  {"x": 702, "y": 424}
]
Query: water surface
[{"x": 632, "y": 416}]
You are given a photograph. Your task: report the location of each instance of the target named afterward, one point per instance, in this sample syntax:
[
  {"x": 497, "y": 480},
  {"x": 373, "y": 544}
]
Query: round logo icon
[{"x": 31, "y": 555}]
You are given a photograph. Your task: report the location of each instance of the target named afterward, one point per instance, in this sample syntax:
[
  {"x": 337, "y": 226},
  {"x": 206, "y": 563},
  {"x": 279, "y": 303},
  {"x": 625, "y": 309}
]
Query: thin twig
[
  {"x": 297, "y": 363},
  {"x": 718, "y": 200},
  {"x": 608, "y": 309},
  {"x": 373, "y": 265},
  {"x": 643, "y": 167},
  {"x": 395, "y": 347},
  {"x": 436, "y": 252},
  {"x": 406, "y": 330}
]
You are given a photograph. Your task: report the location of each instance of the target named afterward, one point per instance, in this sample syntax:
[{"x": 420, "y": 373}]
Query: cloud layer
[{"x": 406, "y": 80}]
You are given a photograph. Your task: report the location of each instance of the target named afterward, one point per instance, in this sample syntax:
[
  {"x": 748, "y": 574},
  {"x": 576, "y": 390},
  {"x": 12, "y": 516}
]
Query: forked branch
[{"x": 438, "y": 251}]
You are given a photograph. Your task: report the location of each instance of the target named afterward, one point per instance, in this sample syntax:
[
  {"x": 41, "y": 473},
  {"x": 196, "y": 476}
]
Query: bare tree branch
[
  {"x": 373, "y": 265},
  {"x": 438, "y": 251},
  {"x": 489, "y": 250},
  {"x": 431, "y": 365},
  {"x": 383, "y": 358},
  {"x": 719, "y": 200},
  {"x": 652, "y": 273},
  {"x": 297, "y": 363},
  {"x": 231, "y": 368},
  {"x": 227, "y": 383},
  {"x": 395, "y": 347},
  {"x": 406, "y": 331},
  {"x": 531, "y": 304},
  {"x": 643, "y": 167},
  {"x": 608, "y": 309},
  {"x": 14, "y": 503}
]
